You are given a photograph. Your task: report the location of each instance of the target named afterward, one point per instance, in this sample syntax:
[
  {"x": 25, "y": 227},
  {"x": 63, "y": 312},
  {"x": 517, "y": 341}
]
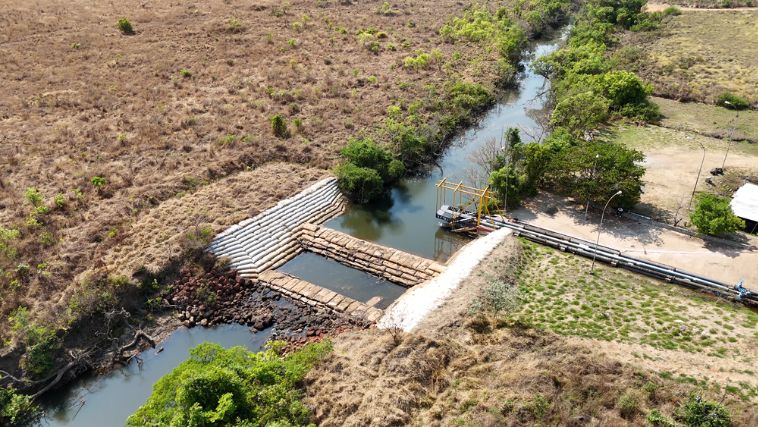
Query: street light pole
[
  {"x": 730, "y": 136},
  {"x": 594, "y": 165},
  {"x": 602, "y": 216},
  {"x": 698, "y": 174}
]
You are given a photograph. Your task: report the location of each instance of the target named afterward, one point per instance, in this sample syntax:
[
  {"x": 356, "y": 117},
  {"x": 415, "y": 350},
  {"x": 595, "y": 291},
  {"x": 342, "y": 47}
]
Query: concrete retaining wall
[
  {"x": 391, "y": 264},
  {"x": 269, "y": 239},
  {"x": 316, "y": 295}
]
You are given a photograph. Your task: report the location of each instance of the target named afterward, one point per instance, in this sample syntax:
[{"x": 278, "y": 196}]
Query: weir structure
[{"x": 257, "y": 246}]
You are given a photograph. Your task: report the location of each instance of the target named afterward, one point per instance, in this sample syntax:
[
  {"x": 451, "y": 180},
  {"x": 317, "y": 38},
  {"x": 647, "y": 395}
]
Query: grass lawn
[
  {"x": 709, "y": 120},
  {"x": 616, "y": 305}
]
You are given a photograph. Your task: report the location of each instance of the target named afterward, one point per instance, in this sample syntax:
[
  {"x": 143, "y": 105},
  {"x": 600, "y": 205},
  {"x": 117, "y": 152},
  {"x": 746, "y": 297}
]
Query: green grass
[
  {"x": 645, "y": 137},
  {"x": 612, "y": 304},
  {"x": 709, "y": 120}
]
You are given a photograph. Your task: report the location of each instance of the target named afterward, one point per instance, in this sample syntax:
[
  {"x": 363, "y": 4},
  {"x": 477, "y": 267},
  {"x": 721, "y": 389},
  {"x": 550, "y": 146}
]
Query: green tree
[
  {"x": 713, "y": 215},
  {"x": 231, "y": 387},
  {"x": 361, "y": 184},
  {"x": 509, "y": 185},
  {"x": 594, "y": 170},
  {"x": 16, "y": 409},
  {"x": 580, "y": 112}
]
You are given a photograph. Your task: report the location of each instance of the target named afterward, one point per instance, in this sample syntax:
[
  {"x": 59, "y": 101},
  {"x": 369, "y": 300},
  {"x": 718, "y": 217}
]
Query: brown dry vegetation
[
  {"x": 83, "y": 100},
  {"x": 468, "y": 366},
  {"x": 698, "y": 55}
]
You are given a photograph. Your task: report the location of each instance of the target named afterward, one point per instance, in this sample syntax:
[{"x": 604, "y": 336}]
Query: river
[{"x": 404, "y": 221}]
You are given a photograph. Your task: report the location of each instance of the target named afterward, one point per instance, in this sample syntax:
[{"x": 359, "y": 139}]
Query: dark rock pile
[{"x": 217, "y": 298}]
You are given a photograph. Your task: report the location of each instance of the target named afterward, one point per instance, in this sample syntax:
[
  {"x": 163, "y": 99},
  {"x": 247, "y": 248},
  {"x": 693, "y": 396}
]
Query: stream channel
[{"x": 405, "y": 221}]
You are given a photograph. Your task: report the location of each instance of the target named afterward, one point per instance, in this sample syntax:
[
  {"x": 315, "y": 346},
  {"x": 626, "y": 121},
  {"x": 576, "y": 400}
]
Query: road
[{"x": 727, "y": 263}]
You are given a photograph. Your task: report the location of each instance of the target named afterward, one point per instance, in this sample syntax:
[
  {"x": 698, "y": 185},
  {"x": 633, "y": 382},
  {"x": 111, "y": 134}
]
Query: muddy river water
[{"x": 404, "y": 221}]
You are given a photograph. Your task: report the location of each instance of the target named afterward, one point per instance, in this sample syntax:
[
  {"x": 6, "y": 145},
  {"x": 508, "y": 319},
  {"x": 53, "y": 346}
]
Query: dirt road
[{"x": 717, "y": 261}]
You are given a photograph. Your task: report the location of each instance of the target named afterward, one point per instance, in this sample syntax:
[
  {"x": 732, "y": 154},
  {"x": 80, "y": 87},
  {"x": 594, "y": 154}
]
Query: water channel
[{"x": 404, "y": 221}]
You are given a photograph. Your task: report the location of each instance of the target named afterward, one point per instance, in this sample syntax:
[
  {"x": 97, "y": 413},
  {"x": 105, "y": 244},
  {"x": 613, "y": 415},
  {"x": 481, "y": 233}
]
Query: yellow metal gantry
[{"x": 464, "y": 198}]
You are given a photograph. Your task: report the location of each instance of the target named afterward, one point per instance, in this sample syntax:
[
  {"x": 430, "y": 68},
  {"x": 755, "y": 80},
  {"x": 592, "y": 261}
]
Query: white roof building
[{"x": 745, "y": 202}]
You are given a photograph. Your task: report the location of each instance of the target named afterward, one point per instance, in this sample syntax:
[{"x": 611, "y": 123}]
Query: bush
[
  {"x": 279, "y": 126},
  {"x": 98, "y": 181},
  {"x": 629, "y": 404},
  {"x": 656, "y": 419},
  {"x": 16, "y": 409},
  {"x": 226, "y": 387},
  {"x": 7, "y": 238},
  {"x": 714, "y": 216},
  {"x": 125, "y": 26},
  {"x": 33, "y": 196},
  {"x": 698, "y": 412},
  {"x": 361, "y": 184},
  {"x": 732, "y": 101}
]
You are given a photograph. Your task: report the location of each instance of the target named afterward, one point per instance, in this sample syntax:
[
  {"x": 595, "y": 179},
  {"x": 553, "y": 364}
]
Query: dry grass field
[
  {"x": 112, "y": 145},
  {"x": 709, "y": 120},
  {"x": 698, "y": 55}
]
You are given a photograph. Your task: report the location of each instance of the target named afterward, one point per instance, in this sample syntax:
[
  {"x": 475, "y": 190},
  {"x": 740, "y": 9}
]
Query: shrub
[
  {"x": 714, "y": 216},
  {"x": 33, "y": 196},
  {"x": 218, "y": 386},
  {"x": 698, "y": 412},
  {"x": 98, "y": 182},
  {"x": 234, "y": 25},
  {"x": 185, "y": 73},
  {"x": 60, "y": 200},
  {"x": 17, "y": 409},
  {"x": 7, "y": 237},
  {"x": 279, "y": 126},
  {"x": 629, "y": 404},
  {"x": 361, "y": 184},
  {"x": 125, "y": 26},
  {"x": 656, "y": 419},
  {"x": 732, "y": 101},
  {"x": 386, "y": 9}
]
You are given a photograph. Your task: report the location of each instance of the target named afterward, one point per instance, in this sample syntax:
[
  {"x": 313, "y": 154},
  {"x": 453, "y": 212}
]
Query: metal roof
[{"x": 745, "y": 202}]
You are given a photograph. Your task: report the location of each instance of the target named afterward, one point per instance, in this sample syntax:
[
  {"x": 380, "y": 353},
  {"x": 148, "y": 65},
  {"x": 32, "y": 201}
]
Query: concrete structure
[{"x": 269, "y": 239}]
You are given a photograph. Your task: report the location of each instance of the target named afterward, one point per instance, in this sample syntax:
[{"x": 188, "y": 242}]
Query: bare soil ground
[
  {"x": 699, "y": 55},
  {"x": 181, "y": 104},
  {"x": 672, "y": 161},
  {"x": 468, "y": 365},
  {"x": 712, "y": 259}
]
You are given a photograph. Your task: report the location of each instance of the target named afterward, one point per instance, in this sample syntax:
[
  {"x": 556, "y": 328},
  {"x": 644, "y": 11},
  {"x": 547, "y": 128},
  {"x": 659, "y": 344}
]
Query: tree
[
  {"x": 580, "y": 112},
  {"x": 369, "y": 169},
  {"x": 508, "y": 184},
  {"x": 360, "y": 184},
  {"x": 714, "y": 216},
  {"x": 279, "y": 126},
  {"x": 594, "y": 170},
  {"x": 16, "y": 409},
  {"x": 226, "y": 387}
]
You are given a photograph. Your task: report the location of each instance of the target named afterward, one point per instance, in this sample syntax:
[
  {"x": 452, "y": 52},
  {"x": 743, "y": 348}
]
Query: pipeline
[{"x": 617, "y": 259}]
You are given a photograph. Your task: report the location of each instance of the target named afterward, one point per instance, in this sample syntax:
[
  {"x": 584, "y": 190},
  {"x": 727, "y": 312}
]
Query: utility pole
[
  {"x": 730, "y": 136},
  {"x": 594, "y": 253},
  {"x": 594, "y": 165},
  {"x": 698, "y": 174}
]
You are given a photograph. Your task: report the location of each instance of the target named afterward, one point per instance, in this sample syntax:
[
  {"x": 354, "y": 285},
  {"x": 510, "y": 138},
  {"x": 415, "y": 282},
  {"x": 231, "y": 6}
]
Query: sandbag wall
[{"x": 391, "y": 264}]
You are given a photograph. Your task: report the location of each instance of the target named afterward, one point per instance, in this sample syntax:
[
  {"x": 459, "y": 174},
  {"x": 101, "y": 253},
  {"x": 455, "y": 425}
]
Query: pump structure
[{"x": 461, "y": 208}]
